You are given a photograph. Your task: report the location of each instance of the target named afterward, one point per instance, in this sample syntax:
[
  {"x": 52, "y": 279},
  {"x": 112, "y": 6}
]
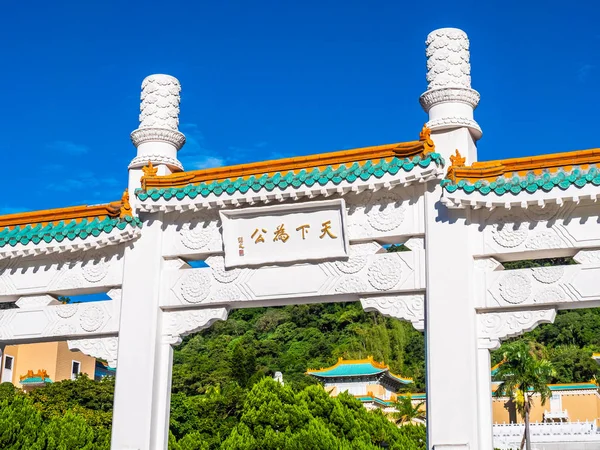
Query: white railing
[
  {"x": 546, "y": 429},
  {"x": 509, "y": 435}
]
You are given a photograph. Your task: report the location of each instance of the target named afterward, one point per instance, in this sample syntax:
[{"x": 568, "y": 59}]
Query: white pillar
[
  {"x": 450, "y": 330},
  {"x": 141, "y": 389},
  {"x": 484, "y": 395},
  {"x": 453, "y": 420}
]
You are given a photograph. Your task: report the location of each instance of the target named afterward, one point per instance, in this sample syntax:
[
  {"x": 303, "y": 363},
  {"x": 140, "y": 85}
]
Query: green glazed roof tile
[
  {"x": 530, "y": 182},
  {"x": 310, "y": 177},
  {"x": 59, "y": 231}
]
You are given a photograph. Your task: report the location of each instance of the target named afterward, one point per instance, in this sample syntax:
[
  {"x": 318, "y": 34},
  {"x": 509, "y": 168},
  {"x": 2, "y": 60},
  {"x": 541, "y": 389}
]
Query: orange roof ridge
[
  {"x": 119, "y": 208},
  {"x": 401, "y": 150},
  {"x": 521, "y": 165}
]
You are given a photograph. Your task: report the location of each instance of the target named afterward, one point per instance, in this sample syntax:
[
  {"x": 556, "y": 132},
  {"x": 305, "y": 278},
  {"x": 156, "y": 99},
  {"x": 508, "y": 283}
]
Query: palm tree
[
  {"x": 524, "y": 373},
  {"x": 406, "y": 412}
]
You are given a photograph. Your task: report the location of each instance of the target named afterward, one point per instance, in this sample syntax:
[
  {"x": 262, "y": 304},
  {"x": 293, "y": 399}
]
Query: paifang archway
[{"x": 325, "y": 218}]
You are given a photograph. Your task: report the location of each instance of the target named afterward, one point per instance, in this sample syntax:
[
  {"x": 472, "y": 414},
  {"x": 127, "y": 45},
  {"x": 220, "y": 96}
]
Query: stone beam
[
  {"x": 41, "y": 319},
  {"x": 566, "y": 287},
  {"x": 365, "y": 273}
]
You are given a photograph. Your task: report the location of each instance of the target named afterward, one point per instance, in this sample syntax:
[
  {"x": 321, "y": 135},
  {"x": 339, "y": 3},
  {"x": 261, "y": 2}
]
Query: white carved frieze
[
  {"x": 365, "y": 271},
  {"x": 103, "y": 348},
  {"x": 410, "y": 307},
  {"x": 562, "y": 286},
  {"x": 177, "y": 324},
  {"x": 539, "y": 231},
  {"x": 493, "y": 327},
  {"x": 62, "y": 274}
]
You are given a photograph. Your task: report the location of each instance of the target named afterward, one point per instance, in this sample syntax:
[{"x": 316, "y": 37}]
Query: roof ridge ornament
[
  {"x": 149, "y": 171},
  {"x": 457, "y": 160}
]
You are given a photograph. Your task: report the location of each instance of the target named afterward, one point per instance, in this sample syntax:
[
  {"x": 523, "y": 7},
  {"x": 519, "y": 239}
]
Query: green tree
[
  {"x": 524, "y": 373},
  {"x": 406, "y": 412},
  {"x": 70, "y": 432},
  {"x": 21, "y": 425}
]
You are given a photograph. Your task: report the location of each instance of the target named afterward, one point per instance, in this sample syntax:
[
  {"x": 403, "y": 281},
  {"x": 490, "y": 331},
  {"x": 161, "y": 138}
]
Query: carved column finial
[
  {"x": 158, "y": 138},
  {"x": 449, "y": 99}
]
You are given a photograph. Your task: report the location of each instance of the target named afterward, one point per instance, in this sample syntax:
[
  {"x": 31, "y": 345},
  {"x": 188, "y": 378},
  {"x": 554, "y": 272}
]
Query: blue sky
[{"x": 267, "y": 79}]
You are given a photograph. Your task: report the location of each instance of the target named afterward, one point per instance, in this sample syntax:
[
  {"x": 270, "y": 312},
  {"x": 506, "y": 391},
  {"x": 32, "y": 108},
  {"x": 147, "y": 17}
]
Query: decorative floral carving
[
  {"x": 221, "y": 274},
  {"x": 544, "y": 240},
  {"x": 354, "y": 264},
  {"x": 385, "y": 213},
  {"x": 160, "y": 102},
  {"x": 177, "y": 324},
  {"x": 64, "y": 329},
  {"x": 95, "y": 268},
  {"x": 66, "y": 311},
  {"x": 548, "y": 275},
  {"x": 196, "y": 285},
  {"x": 92, "y": 318},
  {"x": 448, "y": 59},
  {"x": 408, "y": 307},
  {"x": 104, "y": 348},
  {"x": 587, "y": 257},
  {"x": 197, "y": 233},
  {"x": 228, "y": 293},
  {"x": 510, "y": 231},
  {"x": 384, "y": 272},
  {"x": 550, "y": 295},
  {"x": 493, "y": 327},
  {"x": 515, "y": 288},
  {"x": 351, "y": 284},
  {"x": 537, "y": 213}
]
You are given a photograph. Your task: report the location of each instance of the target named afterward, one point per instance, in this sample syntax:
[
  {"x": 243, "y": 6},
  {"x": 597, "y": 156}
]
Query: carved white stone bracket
[
  {"x": 404, "y": 307},
  {"x": 178, "y": 324},
  {"x": 104, "y": 348},
  {"x": 493, "y": 327}
]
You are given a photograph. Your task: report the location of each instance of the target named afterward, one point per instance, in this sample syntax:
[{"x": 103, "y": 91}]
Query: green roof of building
[
  {"x": 36, "y": 380},
  {"x": 356, "y": 368},
  {"x": 316, "y": 176}
]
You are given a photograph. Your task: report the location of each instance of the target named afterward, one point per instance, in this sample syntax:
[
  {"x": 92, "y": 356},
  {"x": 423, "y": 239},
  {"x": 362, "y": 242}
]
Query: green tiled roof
[
  {"x": 546, "y": 181},
  {"x": 68, "y": 229},
  {"x": 35, "y": 380},
  {"x": 356, "y": 369},
  {"x": 568, "y": 387},
  {"x": 302, "y": 178}
]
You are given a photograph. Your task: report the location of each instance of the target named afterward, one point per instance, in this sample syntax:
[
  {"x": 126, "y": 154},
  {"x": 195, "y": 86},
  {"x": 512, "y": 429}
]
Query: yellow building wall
[
  {"x": 53, "y": 357},
  {"x": 33, "y": 357},
  {"x": 580, "y": 407},
  {"x": 65, "y": 357},
  {"x": 376, "y": 389}
]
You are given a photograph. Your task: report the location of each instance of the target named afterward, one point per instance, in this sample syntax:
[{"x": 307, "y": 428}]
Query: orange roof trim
[
  {"x": 422, "y": 147},
  {"x": 119, "y": 209},
  {"x": 491, "y": 170}
]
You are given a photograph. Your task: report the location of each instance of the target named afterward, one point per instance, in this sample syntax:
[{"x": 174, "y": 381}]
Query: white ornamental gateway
[{"x": 311, "y": 230}]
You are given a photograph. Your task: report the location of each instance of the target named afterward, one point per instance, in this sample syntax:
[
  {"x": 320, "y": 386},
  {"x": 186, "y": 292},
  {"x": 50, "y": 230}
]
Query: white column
[
  {"x": 162, "y": 393},
  {"x": 450, "y": 329},
  {"x": 484, "y": 389},
  {"x": 141, "y": 390}
]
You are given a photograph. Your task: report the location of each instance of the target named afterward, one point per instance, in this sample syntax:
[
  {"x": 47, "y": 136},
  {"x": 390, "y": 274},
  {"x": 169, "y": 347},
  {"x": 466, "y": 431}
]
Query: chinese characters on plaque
[
  {"x": 282, "y": 236},
  {"x": 284, "y": 233}
]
